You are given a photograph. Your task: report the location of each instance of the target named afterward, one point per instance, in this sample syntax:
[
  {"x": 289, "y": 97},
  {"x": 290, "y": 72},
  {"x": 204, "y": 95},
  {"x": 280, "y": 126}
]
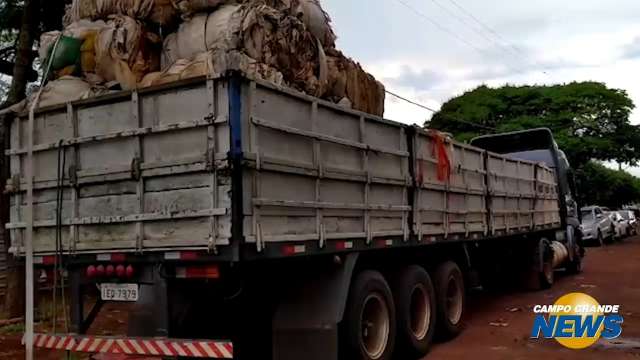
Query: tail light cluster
[{"x": 110, "y": 271}]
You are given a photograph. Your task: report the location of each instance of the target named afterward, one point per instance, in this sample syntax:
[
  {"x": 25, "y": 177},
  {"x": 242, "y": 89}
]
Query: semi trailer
[{"x": 243, "y": 220}]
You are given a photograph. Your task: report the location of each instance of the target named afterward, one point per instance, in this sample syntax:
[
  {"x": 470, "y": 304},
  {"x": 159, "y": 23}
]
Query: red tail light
[
  {"x": 129, "y": 271},
  {"x": 91, "y": 271},
  {"x": 110, "y": 270},
  {"x": 120, "y": 270},
  {"x": 198, "y": 272},
  {"x": 100, "y": 270}
]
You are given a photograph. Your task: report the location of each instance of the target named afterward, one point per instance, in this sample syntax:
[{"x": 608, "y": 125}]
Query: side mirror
[{"x": 599, "y": 216}]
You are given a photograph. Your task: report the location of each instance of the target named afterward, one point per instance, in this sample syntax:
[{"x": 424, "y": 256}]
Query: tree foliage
[
  {"x": 607, "y": 187},
  {"x": 21, "y": 23},
  {"x": 589, "y": 120}
]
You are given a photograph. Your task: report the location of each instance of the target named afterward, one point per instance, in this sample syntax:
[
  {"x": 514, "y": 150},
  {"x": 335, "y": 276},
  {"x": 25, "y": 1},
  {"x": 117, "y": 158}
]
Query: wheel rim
[
  {"x": 420, "y": 308},
  {"x": 454, "y": 300},
  {"x": 547, "y": 270},
  {"x": 374, "y": 320}
]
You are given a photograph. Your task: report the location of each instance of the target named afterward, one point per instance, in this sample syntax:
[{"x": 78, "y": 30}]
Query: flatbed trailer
[{"x": 279, "y": 224}]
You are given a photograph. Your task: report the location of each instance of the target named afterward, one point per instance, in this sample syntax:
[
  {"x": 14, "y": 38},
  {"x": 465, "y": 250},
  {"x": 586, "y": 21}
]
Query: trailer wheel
[
  {"x": 369, "y": 327},
  {"x": 415, "y": 301},
  {"x": 450, "y": 299},
  {"x": 600, "y": 239},
  {"x": 575, "y": 266},
  {"x": 540, "y": 274}
]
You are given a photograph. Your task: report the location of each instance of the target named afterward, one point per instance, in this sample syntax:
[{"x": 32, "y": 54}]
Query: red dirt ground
[{"x": 611, "y": 275}]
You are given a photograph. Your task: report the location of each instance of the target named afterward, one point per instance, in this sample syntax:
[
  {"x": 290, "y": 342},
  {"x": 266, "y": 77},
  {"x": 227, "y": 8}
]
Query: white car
[
  {"x": 629, "y": 219},
  {"x": 620, "y": 226}
]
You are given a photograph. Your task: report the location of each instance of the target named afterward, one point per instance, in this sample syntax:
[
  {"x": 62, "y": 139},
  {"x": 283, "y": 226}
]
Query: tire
[
  {"x": 415, "y": 301},
  {"x": 368, "y": 330},
  {"x": 613, "y": 235},
  {"x": 547, "y": 275},
  {"x": 541, "y": 275},
  {"x": 575, "y": 266},
  {"x": 599, "y": 239},
  {"x": 450, "y": 300}
]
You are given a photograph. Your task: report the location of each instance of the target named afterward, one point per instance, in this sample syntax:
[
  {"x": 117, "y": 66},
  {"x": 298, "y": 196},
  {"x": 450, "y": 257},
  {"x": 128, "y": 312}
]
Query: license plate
[{"x": 119, "y": 292}]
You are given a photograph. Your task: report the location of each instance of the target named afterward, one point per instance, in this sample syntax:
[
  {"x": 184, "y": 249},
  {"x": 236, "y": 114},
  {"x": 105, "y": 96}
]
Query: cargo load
[
  {"x": 157, "y": 11},
  {"x": 129, "y": 44}
]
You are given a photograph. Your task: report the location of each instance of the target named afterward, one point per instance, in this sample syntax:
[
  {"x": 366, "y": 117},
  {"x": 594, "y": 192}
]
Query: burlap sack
[
  {"x": 158, "y": 11},
  {"x": 266, "y": 35},
  {"x": 60, "y": 91},
  {"x": 214, "y": 63},
  {"x": 125, "y": 52},
  {"x": 347, "y": 80}
]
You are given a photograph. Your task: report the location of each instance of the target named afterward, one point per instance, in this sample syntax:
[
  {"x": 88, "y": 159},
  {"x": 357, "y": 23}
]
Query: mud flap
[
  {"x": 305, "y": 325},
  {"x": 149, "y": 316}
]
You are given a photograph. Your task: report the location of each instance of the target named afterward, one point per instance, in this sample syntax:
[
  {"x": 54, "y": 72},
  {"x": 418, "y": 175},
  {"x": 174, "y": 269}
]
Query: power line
[
  {"x": 450, "y": 33},
  {"x": 486, "y": 27},
  {"x": 411, "y": 101},
  {"x": 478, "y": 31},
  {"x": 448, "y": 117}
]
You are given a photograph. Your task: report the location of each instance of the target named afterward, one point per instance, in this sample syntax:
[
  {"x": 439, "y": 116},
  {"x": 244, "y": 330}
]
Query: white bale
[{"x": 202, "y": 33}]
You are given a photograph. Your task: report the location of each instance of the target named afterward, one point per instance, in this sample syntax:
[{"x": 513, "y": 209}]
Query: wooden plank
[
  {"x": 120, "y": 134},
  {"x": 99, "y": 220},
  {"x": 326, "y": 205},
  {"x": 327, "y": 138}
]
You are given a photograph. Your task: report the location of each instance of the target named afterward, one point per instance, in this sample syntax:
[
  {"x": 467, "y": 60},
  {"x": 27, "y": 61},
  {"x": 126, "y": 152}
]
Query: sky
[{"x": 433, "y": 50}]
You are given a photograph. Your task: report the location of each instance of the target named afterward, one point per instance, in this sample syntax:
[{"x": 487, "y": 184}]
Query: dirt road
[{"x": 498, "y": 326}]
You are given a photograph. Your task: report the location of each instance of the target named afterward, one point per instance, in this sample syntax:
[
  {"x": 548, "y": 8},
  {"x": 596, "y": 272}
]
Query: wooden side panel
[
  {"x": 449, "y": 204},
  {"x": 317, "y": 173},
  {"x": 523, "y": 196},
  {"x": 141, "y": 171}
]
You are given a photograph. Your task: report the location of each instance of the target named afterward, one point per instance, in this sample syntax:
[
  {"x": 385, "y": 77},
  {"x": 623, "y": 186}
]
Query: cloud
[
  {"x": 632, "y": 50},
  {"x": 423, "y": 79}
]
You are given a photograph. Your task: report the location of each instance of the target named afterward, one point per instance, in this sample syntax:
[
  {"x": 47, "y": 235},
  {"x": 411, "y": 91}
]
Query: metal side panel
[
  {"x": 142, "y": 170},
  {"x": 319, "y": 173},
  {"x": 516, "y": 205},
  {"x": 450, "y": 206},
  {"x": 546, "y": 209}
]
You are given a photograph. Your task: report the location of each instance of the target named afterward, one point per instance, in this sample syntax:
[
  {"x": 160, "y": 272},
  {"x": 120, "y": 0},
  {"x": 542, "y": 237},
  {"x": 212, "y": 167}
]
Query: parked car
[
  {"x": 596, "y": 225},
  {"x": 619, "y": 225},
  {"x": 629, "y": 217}
]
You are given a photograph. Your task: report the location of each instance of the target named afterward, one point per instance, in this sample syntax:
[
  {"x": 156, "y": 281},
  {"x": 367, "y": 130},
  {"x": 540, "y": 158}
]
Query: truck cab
[{"x": 538, "y": 145}]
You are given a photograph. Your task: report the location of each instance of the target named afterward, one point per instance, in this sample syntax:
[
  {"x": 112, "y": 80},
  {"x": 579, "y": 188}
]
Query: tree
[
  {"x": 608, "y": 187},
  {"x": 589, "y": 120},
  {"x": 21, "y": 23}
]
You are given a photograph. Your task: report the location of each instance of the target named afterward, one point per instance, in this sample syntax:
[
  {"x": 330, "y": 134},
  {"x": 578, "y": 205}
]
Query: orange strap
[{"x": 440, "y": 152}]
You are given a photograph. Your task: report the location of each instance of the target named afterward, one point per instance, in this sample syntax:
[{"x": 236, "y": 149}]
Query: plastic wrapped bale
[
  {"x": 214, "y": 63},
  {"x": 316, "y": 19},
  {"x": 188, "y": 8},
  {"x": 158, "y": 11},
  {"x": 347, "y": 80},
  {"x": 310, "y": 12},
  {"x": 61, "y": 91},
  {"x": 268, "y": 36},
  {"x": 125, "y": 52}
]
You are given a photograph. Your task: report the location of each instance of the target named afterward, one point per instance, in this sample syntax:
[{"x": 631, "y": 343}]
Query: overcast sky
[{"x": 542, "y": 41}]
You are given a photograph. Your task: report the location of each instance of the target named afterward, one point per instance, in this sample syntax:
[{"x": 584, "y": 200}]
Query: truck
[{"x": 239, "y": 219}]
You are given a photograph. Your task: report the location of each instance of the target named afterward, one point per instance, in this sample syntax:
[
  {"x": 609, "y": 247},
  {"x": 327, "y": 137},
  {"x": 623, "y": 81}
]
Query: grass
[{"x": 13, "y": 329}]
